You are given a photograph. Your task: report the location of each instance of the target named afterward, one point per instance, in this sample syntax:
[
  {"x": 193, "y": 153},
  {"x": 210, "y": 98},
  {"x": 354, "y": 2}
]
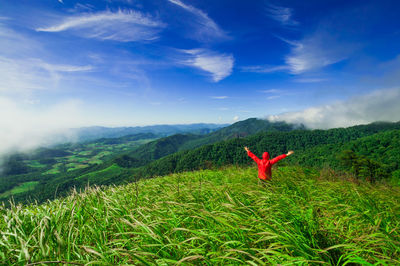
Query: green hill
[
  {"x": 320, "y": 148},
  {"x": 313, "y": 148},
  {"x": 211, "y": 217},
  {"x": 180, "y": 142}
]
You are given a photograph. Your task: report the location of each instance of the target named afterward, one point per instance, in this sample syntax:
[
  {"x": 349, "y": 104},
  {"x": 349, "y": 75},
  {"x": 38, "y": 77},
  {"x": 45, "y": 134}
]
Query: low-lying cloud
[
  {"x": 380, "y": 105},
  {"x": 23, "y": 129}
]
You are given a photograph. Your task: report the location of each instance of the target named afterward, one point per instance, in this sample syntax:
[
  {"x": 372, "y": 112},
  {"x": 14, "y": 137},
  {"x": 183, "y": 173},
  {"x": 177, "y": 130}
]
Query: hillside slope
[
  {"x": 212, "y": 217},
  {"x": 124, "y": 169},
  {"x": 313, "y": 148},
  {"x": 180, "y": 142}
]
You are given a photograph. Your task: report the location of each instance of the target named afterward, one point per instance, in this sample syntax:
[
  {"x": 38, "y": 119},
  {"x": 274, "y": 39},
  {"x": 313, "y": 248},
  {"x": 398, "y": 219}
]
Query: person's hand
[
  {"x": 246, "y": 149},
  {"x": 289, "y": 153}
]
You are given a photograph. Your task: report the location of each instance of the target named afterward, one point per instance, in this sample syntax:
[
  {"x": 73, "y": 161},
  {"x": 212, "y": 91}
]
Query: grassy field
[
  {"x": 212, "y": 217},
  {"x": 19, "y": 189}
]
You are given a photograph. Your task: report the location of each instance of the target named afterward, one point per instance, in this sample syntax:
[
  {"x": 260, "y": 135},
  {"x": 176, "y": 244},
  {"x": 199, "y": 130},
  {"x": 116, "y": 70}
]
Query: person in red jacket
[{"x": 265, "y": 164}]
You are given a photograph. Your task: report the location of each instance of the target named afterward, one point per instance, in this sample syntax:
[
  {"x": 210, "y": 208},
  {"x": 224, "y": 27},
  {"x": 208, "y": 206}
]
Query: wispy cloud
[
  {"x": 264, "y": 69},
  {"x": 271, "y": 91},
  {"x": 312, "y": 53},
  {"x": 123, "y": 26},
  {"x": 23, "y": 67},
  {"x": 206, "y": 27},
  {"x": 380, "y": 105},
  {"x": 283, "y": 15},
  {"x": 64, "y": 68},
  {"x": 273, "y": 97},
  {"x": 310, "y": 80},
  {"x": 219, "y": 97},
  {"x": 219, "y": 66},
  {"x": 24, "y": 75}
]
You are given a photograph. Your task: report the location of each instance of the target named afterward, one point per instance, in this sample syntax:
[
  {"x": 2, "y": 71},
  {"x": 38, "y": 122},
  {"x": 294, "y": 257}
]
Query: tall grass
[{"x": 211, "y": 217}]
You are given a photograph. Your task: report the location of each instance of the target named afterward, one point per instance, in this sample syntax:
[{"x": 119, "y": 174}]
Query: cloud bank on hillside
[
  {"x": 380, "y": 105},
  {"x": 22, "y": 129}
]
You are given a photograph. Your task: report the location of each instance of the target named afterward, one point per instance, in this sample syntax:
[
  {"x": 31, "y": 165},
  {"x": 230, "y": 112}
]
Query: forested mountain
[
  {"x": 179, "y": 142},
  {"x": 377, "y": 142},
  {"x": 313, "y": 148}
]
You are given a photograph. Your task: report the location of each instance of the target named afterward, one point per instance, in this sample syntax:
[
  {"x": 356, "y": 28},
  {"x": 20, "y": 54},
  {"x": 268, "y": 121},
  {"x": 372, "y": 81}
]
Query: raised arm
[
  {"x": 280, "y": 157},
  {"x": 251, "y": 155}
]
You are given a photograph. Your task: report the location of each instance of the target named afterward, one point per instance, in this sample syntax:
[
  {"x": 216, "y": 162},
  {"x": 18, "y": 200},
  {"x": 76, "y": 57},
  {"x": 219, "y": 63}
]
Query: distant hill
[{"x": 97, "y": 132}]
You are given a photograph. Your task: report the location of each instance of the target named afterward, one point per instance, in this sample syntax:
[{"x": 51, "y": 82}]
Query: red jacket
[{"x": 264, "y": 165}]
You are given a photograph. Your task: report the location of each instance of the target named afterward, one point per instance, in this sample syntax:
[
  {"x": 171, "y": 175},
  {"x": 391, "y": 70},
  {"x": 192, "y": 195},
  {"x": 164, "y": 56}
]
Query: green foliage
[
  {"x": 362, "y": 166},
  {"x": 211, "y": 218},
  {"x": 377, "y": 146},
  {"x": 14, "y": 165},
  {"x": 27, "y": 186}
]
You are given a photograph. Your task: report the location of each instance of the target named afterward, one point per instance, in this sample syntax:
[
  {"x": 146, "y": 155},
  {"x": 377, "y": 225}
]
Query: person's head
[{"x": 265, "y": 156}]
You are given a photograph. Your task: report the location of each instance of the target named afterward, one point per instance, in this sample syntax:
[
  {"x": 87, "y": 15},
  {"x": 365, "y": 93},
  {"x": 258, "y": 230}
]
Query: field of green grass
[
  {"x": 212, "y": 217},
  {"x": 19, "y": 189}
]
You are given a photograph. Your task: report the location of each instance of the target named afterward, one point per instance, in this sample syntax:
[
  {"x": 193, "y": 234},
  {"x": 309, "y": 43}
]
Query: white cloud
[
  {"x": 310, "y": 80},
  {"x": 218, "y": 65},
  {"x": 24, "y": 75},
  {"x": 219, "y": 97},
  {"x": 281, "y": 14},
  {"x": 264, "y": 69},
  {"x": 380, "y": 105},
  {"x": 64, "y": 68},
  {"x": 206, "y": 27},
  {"x": 123, "y": 26},
  {"x": 236, "y": 118},
  {"x": 273, "y": 97},
  {"x": 315, "y": 52},
  {"x": 271, "y": 91},
  {"x": 312, "y": 53},
  {"x": 274, "y": 93},
  {"x": 23, "y": 128}
]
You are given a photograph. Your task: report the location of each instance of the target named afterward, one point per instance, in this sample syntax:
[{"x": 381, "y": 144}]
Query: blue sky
[{"x": 130, "y": 62}]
